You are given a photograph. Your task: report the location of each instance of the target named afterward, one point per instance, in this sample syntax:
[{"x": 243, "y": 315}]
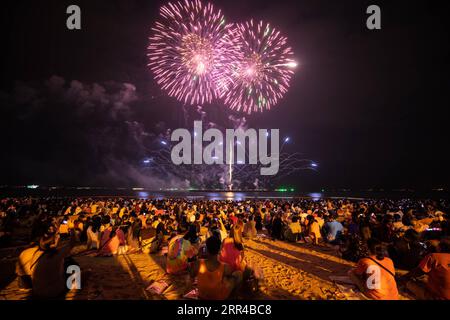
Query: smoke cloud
[{"x": 97, "y": 136}]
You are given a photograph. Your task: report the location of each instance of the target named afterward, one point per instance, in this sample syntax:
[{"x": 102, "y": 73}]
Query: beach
[{"x": 291, "y": 271}]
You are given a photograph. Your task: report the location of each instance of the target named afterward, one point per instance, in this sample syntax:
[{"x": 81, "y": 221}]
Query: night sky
[{"x": 368, "y": 106}]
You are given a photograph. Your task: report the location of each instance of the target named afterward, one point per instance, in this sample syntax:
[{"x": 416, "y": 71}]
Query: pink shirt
[
  {"x": 230, "y": 255},
  {"x": 110, "y": 246}
]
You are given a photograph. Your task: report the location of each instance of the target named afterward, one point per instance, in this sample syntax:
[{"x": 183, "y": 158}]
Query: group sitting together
[{"x": 205, "y": 238}]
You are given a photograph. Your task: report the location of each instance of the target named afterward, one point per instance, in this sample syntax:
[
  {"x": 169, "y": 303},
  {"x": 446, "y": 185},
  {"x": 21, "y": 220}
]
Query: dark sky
[{"x": 368, "y": 106}]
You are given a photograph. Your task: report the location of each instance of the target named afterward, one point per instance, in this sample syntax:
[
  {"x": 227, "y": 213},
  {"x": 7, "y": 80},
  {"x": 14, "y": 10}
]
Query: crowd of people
[{"x": 206, "y": 238}]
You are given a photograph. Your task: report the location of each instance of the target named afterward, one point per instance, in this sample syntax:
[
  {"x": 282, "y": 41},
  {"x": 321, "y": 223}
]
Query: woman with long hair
[
  {"x": 43, "y": 267},
  {"x": 232, "y": 251},
  {"x": 93, "y": 233},
  {"x": 112, "y": 238},
  {"x": 314, "y": 230}
]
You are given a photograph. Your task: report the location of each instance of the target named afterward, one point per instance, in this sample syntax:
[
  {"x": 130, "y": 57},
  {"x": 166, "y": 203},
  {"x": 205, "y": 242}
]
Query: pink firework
[
  {"x": 260, "y": 75},
  {"x": 188, "y": 49}
]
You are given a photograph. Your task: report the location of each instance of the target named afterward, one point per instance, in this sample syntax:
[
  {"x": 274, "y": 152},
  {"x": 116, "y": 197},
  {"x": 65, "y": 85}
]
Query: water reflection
[
  {"x": 220, "y": 195},
  {"x": 236, "y": 196},
  {"x": 143, "y": 195},
  {"x": 316, "y": 195},
  {"x": 215, "y": 194}
]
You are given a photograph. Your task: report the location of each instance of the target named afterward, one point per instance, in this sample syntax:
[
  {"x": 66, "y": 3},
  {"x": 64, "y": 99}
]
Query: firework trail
[
  {"x": 261, "y": 73},
  {"x": 158, "y": 163},
  {"x": 207, "y": 177},
  {"x": 197, "y": 57},
  {"x": 248, "y": 176},
  {"x": 188, "y": 49}
]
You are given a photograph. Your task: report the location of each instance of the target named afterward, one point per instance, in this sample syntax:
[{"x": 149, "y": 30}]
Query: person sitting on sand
[
  {"x": 112, "y": 238},
  {"x": 437, "y": 267},
  {"x": 314, "y": 230},
  {"x": 354, "y": 226},
  {"x": 259, "y": 220},
  {"x": 375, "y": 275},
  {"x": 42, "y": 267},
  {"x": 277, "y": 227},
  {"x": 250, "y": 229},
  {"x": 64, "y": 229},
  {"x": 408, "y": 251},
  {"x": 232, "y": 218},
  {"x": 319, "y": 218},
  {"x": 181, "y": 249},
  {"x": 353, "y": 248},
  {"x": 93, "y": 233},
  {"x": 232, "y": 251},
  {"x": 134, "y": 234},
  {"x": 294, "y": 230},
  {"x": 333, "y": 230},
  {"x": 216, "y": 280},
  {"x": 29, "y": 257},
  {"x": 366, "y": 232},
  {"x": 398, "y": 225},
  {"x": 216, "y": 226}
]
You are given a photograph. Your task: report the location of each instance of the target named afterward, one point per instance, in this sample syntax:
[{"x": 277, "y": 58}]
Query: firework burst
[
  {"x": 188, "y": 49},
  {"x": 261, "y": 73}
]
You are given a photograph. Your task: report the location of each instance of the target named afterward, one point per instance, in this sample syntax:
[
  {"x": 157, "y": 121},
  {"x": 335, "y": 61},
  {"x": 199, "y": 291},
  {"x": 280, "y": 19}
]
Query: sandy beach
[{"x": 291, "y": 271}]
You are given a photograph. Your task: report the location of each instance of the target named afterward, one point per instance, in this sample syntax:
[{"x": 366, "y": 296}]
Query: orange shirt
[
  {"x": 388, "y": 286},
  {"x": 63, "y": 228},
  {"x": 437, "y": 266},
  {"x": 231, "y": 255},
  {"x": 315, "y": 229}
]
